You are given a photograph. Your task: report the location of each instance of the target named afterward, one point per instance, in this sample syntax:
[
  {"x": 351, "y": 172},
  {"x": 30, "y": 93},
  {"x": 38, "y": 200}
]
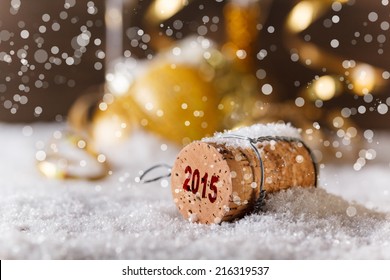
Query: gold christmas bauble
[
  {"x": 192, "y": 90},
  {"x": 113, "y": 121},
  {"x": 176, "y": 102},
  {"x": 101, "y": 117}
]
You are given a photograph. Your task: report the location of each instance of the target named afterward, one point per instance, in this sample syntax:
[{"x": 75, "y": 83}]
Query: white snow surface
[
  {"x": 346, "y": 217},
  {"x": 255, "y": 131}
]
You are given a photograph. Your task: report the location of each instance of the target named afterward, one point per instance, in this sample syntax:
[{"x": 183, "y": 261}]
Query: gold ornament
[
  {"x": 112, "y": 122},
  {"x": 176, "y": 102},
  {"x": 358, "y": 77},
  {"x": 242, "y": 33},
  {"x": 185, "y": 92},
  {"x": 81, "y": 114},
  {"x": 101, "y": 117},
  {"x": 69, "y": 156}
]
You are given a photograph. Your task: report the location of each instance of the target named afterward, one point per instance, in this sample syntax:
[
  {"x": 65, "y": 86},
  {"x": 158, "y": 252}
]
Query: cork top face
[{"x": 201, "y": 183}]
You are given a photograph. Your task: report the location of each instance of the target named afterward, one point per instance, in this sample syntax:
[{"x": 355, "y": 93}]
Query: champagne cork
[{"x": 225, "y": 177}]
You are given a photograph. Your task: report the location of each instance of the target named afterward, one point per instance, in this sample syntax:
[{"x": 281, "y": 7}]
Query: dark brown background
[
  {"x": 62, "y": 83},
  {"x": 281, "y": 71}
]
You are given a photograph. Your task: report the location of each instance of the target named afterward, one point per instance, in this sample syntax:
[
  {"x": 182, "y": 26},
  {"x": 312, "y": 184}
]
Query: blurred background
[
  {"x": 48, "y": 56},
  {"x": 321, "y": 64}
]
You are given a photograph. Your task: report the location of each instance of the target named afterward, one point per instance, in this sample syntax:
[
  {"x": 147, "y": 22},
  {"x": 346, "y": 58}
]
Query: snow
[
  {"x": 240, "y": 137},
  {"x": 346, "y": 217}
]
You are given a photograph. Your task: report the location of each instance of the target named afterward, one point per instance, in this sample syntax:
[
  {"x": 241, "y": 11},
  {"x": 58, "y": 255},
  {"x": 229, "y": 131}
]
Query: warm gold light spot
[
  {"x": 164, "y": 9},
  {"x": 363, "y": 79},
  {"x": 325, "y": 88},
  {"x": 301, "y": 16}
]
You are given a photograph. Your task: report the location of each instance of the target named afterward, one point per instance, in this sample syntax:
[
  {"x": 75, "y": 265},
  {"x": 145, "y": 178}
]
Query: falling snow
[
  {"x": 119, "y": 219},
  {"x": 33, "y": 48}
]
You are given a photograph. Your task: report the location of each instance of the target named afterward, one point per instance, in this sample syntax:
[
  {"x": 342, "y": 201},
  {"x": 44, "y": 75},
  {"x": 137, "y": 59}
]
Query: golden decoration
[
  {"x": 359, "y": 77},
  {"x": 180, "y": 95},
  {"x": 176, "y": 102},
  {"x": 242, "y": 19},
  {"x": 72, "y": 157},
  {"x": 101, "y": 117}
]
